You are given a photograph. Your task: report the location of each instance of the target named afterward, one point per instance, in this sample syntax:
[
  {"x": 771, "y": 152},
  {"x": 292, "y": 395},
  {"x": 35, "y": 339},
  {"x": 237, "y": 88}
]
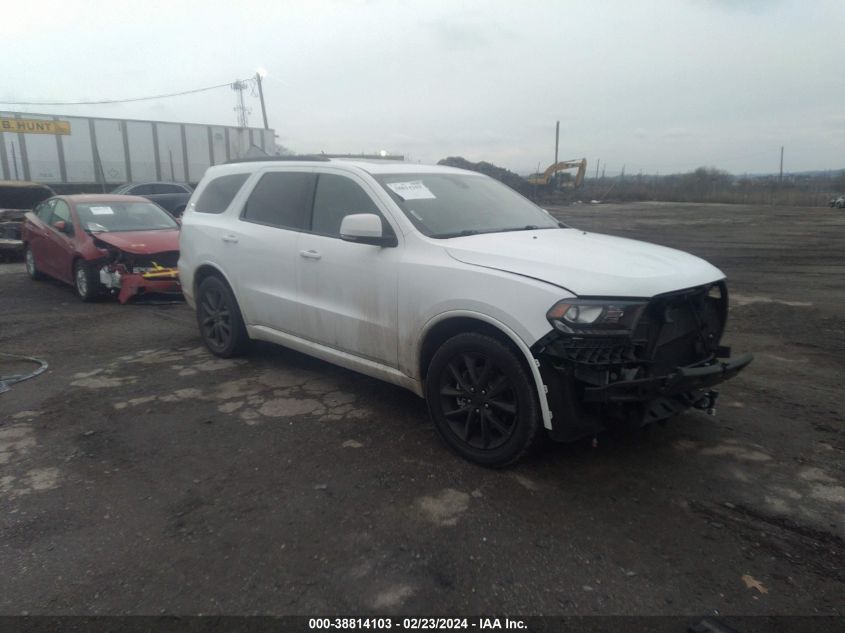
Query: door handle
[
  {"x": 310, "y": 254},
  {"x": 233, "y": 239}
]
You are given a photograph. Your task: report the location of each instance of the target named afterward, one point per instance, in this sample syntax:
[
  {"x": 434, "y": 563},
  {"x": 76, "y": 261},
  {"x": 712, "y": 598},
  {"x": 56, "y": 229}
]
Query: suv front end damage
[
  {"x": 634, "y": 361},
  {"x": 130, "y": 275}
]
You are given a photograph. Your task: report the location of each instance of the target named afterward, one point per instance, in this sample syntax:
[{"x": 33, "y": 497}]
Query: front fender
[
  {"x": 187, "y": 276},
  {"x": 533, "y": 363}
]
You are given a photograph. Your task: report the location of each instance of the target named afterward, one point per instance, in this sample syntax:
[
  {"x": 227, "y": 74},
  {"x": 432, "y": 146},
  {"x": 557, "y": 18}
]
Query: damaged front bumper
[
  {"x": 580, "y": 409},
  {"x": 157, "y": 280},
  {"x": 664, "y": 362},
  {"x": 683, "y": 380}
]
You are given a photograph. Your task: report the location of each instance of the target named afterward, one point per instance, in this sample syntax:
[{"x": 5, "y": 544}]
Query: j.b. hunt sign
[{"x": 35, "y": 126}]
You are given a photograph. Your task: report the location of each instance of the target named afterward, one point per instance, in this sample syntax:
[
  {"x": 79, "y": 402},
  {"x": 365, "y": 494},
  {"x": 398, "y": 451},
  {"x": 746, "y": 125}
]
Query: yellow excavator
[{"x": 548, "y": 177}]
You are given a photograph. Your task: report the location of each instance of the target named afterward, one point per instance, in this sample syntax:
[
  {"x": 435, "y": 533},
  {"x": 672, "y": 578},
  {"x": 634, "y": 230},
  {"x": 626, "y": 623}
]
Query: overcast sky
[{"x": 657, "y": 86}]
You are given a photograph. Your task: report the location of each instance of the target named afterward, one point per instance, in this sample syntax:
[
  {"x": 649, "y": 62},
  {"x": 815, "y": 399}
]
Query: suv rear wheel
[
  {"x": 482, "y": 400},
  {"x": 219, "y": 318}
]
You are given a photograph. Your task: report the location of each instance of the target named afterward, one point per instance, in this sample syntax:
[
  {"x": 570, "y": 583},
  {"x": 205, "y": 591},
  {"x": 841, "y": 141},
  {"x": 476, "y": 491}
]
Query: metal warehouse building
[{"x": 76, "y": 150}]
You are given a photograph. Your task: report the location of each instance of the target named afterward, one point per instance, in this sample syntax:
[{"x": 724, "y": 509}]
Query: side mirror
[
  {"x": 365, "y": 228},
  {"x": 60, "y": 225}
]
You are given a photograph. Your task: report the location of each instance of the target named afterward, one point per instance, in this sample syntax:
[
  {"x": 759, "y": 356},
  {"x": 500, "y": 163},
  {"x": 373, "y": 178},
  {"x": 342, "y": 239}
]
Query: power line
[{"x": 107, "y": 101}]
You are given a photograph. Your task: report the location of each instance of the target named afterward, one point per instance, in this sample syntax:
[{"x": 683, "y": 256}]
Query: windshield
[
  {"x": 450, "y": 205},
  {"x": 102, "y": 217}
]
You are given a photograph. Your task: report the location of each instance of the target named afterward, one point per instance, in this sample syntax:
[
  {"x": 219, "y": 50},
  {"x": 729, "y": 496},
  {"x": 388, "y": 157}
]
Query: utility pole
[
  {"x": 241, "y": 109},
  {"x": 598, "y": 162},
  {"x": 780, "y": 178},
  {"x": 557, "y": 141},
  {"x": 261, "y": 97}
]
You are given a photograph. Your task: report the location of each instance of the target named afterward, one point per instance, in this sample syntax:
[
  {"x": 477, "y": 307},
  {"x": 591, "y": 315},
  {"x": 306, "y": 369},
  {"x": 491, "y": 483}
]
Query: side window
[
  {"x": 142, "y": 190},
  {"x": 336, "y": 197},
  {"x": 61, "y": 211},
  {"x": 45, "y": 210},
  {"x": 281, "y": 199},
  {"x": 165, "y": 188},
  {"x": 219, "y": 193}
]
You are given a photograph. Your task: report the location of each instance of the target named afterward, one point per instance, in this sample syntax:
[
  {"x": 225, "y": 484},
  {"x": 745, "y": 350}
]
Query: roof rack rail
[{"x": 258, "y": 159}]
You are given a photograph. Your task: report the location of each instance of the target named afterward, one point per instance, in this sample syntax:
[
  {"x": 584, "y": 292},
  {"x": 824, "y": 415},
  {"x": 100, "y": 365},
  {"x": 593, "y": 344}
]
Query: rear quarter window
[
  {"x": 142, "y": 190},
  {"x": 165, "y": 188},
  {"x": 219, "y": 193}
]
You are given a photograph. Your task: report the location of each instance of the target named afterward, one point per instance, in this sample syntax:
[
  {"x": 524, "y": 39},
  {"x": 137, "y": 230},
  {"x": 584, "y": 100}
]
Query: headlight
[{"x": 595, "y": 316}]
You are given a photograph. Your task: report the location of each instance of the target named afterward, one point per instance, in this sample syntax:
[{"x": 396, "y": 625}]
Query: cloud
[
  {"x": 745, "y": 6},
  {"x": 475, "y": 29},
  {"x": 657, "y": 82}
]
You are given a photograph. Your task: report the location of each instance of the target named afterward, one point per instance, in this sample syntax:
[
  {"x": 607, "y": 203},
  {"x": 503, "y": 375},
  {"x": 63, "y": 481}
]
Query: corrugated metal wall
[{"x": 115, "y": 151}]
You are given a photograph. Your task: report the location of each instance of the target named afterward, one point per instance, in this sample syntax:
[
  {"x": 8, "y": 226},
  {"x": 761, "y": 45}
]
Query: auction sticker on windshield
[
  {"x": 412, "y": 190},
  {"x": 101, "y": 210}
]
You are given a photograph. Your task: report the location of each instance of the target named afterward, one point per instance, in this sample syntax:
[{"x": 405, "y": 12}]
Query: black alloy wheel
[
  {"x": 482, "y": 400},
  {"x": 219, "y": 319},
  {"x": 478, "y": 401}
]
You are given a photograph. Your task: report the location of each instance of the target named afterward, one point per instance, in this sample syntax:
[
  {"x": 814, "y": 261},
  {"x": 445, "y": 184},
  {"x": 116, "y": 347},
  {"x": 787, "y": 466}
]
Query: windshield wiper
[
  {"x": 527, "y": 227},
  {"x": 457, "y": 234}
]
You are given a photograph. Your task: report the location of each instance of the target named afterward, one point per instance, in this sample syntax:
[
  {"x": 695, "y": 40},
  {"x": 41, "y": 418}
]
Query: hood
[
  {"x": 587, "y": 264},
  {"x": 23, "y": 195},
  {"x": 142, "y": 242}
]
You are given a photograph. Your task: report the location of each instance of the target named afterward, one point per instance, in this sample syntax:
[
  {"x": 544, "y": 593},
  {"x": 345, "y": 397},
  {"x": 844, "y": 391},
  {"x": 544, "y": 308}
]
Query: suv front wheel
[{"x": 482, "y": 400}]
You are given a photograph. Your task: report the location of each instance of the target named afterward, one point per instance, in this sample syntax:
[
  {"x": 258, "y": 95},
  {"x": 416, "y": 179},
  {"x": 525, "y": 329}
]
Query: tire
[
  {"x": 31, "y": 267},
  {"x": 86, "y": 281},
  {"x": 482, "y": 400},
  {"x": 219, "y": 319}
]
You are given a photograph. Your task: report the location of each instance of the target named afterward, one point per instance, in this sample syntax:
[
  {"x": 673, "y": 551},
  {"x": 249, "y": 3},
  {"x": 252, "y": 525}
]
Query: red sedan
[{"x": 125, "y": 245}]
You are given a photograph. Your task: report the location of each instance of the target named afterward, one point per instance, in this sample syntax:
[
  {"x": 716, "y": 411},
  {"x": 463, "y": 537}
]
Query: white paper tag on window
[
  {"x": 101, "y": 211},
  {"x": 412, "y": 190}
]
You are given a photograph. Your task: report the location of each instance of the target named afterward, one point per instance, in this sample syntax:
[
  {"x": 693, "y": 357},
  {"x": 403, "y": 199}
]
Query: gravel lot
[{"x": 141, "y": 475}]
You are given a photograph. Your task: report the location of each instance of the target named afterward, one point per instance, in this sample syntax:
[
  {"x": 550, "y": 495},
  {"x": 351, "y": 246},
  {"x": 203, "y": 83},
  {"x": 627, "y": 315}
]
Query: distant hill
[{"x": 511, "y": 179}]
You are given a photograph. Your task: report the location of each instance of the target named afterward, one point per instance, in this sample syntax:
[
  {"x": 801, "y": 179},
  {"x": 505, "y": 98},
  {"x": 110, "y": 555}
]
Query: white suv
[{"x": 448, "y": 283}]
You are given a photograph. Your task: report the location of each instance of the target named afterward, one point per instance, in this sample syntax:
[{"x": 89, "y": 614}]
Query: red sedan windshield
[{"x": 100, "y": 217}]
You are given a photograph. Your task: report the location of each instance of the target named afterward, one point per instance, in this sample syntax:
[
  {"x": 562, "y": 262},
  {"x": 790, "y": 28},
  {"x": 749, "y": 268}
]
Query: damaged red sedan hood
[{"x": 142, "y": 242}]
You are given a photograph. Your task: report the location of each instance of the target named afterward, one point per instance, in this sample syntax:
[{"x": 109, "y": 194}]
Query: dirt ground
[{"x": 140, "y": 475}]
